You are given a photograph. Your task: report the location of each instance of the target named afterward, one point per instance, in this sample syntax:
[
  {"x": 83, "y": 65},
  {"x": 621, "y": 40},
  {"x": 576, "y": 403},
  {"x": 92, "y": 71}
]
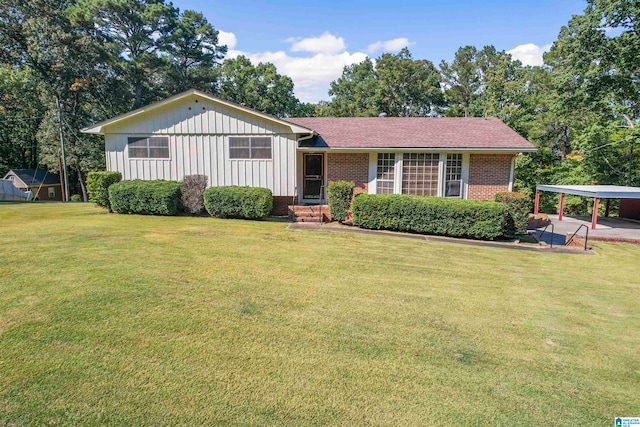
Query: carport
[{"x": 596, "y": 191}]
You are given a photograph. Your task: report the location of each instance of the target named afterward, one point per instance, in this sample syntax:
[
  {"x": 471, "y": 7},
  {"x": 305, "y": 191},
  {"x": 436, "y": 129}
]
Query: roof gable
[
  {"x": 195, "y": 112},
  {"x": 470, "y": 133},
  {"x": 33, "y": 177}
]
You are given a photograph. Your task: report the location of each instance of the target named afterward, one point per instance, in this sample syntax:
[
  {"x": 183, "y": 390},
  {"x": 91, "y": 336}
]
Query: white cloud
[
  {"x": 326, "y": 43},
  {"x": 227, "y": 38},
  {"x": 529, "y": 54},
  {"x": 319, "y": 61},
  {"x": 393, "y": 45},
  {"x": 312, "y": 74}
]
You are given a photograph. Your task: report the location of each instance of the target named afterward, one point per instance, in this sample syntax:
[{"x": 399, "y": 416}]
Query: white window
[
  {"x": 453, "y": 176},
  {"x": 384, "y": 179},
  {"x": 249, "y": 147},
  {"x": 12, "y": 178},
  {"x": 420, "y": 174},
  {"x": 153, "y": 147},
  {"x": 52, "y": 192}
]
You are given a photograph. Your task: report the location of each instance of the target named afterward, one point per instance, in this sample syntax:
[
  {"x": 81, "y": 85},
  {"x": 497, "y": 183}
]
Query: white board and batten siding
[{"x": 198, "y": 134}]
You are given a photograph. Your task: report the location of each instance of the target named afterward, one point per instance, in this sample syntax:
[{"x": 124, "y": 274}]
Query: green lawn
[{"x": 129, "y": 320}]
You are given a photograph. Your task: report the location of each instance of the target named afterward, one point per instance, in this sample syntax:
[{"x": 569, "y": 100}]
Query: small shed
[
  {"x": 598, "y": 192},
  {"x": 43, "y": 184}
]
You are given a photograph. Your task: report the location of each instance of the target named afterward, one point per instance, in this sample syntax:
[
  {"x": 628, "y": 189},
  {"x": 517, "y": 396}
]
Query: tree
[
  {"x": 408, "y": 87},
  {"x": 21, "y": 113},
  {"x": 461, "y": 79},
  {"x": 259, "y": 87},
  {"x": 134, "y": 32},
  {"x": 193, "y": 53},
  {"x": 396, "y": 85},
  {"x": 600, "y": 75},
  {"x": 354, "y": 93},
  {"x": 63, "y": 57}
]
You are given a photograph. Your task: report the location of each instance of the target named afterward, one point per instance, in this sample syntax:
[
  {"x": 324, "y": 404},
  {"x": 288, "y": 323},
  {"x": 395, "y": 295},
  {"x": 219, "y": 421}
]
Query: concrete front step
[{"x": 309, "y": 213}]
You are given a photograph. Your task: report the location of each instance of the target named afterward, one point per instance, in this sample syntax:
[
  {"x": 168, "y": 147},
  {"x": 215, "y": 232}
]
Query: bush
[
  {"x": 145, "y": 197},
  {"x": 98, "y": 187},
  {"x": 192, "y": 193},
  {"x": 429, "y": 215},
  {"x": 517, "y": 208},
  {"x": 238, "y": 202},
  {"x": 340, "y": 194},
  {"x": 76, "y": 198}
]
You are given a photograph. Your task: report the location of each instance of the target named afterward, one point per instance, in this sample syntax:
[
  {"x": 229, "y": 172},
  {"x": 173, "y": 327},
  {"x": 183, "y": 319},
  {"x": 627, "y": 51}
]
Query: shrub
[
  {"x": 98, "y": 187},
  {"x": 145, "y": 197},
  {"x": 192, "y": 193},
  {"x": 429, "y": 215},
  {"x": 76, "y": 198},
  {"x": 238, "y": 202},
  {"x": 517, "y": 208},
  {"x": 340, "y": 194}
]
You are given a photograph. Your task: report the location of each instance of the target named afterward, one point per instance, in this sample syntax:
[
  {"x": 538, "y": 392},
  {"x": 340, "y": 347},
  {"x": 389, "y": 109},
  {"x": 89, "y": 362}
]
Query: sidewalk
[{"x": 335, "y": 227}]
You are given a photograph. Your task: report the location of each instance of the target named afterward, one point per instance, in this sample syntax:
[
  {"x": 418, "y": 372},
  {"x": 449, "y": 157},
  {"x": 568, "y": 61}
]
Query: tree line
[{"x": 88, "y": 60}]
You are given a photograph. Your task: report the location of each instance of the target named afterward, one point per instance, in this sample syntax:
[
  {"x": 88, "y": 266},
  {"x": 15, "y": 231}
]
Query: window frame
[
  {"x": 253, "y": 151},
  {"x": 453, "y": 167},
  {"x": 422, "y": 174},
  {"x": 385, "y": 164},
  {"x": 148, "y": 147},
  {"x": 444, "y": 166}
]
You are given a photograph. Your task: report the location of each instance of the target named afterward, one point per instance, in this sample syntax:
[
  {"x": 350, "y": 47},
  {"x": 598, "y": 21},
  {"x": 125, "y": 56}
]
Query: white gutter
[
  {"x": 306, "y": 138},
  {"x": 426, "y": 149}
]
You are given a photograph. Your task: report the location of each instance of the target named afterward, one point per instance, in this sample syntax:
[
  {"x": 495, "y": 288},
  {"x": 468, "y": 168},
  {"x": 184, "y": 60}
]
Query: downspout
[
  {"x": 305, "y": 138},
  {"x": 512, "y": 173}
]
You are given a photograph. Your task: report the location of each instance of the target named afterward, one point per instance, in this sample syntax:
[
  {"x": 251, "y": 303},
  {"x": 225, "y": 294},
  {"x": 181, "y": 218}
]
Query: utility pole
[
  {"x": 630, "y": 171},
  {"x": 64, "y": 157}
]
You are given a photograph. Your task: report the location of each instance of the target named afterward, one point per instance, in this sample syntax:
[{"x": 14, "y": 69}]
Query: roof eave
[
  {"x": 514, "y": 150},
  {"x": 98, "y": 128}
]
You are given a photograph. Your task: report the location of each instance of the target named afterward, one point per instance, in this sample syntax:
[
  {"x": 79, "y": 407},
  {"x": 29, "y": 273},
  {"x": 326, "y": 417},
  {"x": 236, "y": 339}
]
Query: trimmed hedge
[
  {"x": 157, "y": 197},
  {"x": 238, "y": 202},
  {"x": 429, "y": 215},
  {"x": 340, "y": 194},
  {"x": 517, "y": 208},
  {"x": 98, "y": 187}
]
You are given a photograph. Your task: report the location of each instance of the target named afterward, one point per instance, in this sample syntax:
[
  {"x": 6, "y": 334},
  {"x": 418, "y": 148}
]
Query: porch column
[
  {"x": 561, "y": 207},
  {"x": 537, "y": 205},
  {"x": 594, "y": 216}
]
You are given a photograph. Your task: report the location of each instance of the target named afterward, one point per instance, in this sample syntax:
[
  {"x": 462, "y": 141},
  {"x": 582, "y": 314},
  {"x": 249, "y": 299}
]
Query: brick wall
[
  {"x": 280, "y": 205},
  {"x": 349, "y": 167},
  {"x": 488, "y": 174}
]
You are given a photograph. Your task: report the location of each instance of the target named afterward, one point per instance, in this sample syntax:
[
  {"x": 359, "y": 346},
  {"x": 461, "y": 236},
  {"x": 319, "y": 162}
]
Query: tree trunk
[
  {"x": 61, "y": 174},
  {"x": 83, "y": 187},
  {"x": 137, "y": 75}
]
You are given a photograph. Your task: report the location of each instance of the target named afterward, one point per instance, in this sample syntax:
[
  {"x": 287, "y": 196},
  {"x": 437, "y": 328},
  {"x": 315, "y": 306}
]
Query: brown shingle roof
[{"x": 414, "y": 132}]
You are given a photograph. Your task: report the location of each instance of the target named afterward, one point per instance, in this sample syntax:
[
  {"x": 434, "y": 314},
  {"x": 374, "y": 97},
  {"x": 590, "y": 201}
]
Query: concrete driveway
[{"x": 608, "y": 229}]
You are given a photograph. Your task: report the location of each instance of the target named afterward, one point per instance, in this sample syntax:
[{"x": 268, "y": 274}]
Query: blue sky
[{"x": 311, "y": 41}]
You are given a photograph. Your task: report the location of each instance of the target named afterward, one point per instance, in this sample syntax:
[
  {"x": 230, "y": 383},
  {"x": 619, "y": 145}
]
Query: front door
[{"x": 313, "y": 176}]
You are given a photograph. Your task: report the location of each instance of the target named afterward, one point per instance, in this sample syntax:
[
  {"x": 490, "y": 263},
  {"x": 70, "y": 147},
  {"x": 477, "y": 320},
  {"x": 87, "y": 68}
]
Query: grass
[{"x": 129, "y": 320}]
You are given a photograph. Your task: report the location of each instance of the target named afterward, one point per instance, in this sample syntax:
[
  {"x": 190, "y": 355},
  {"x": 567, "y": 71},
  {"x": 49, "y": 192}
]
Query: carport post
[
  {"x": 561, "y": 207},
  {"x": 594, "y": 216},
  {"x": 537, "y": 205}
]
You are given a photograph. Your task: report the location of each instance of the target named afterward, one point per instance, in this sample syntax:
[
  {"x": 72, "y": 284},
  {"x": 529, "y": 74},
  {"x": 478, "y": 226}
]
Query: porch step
[{"x": 309, "y": 213}]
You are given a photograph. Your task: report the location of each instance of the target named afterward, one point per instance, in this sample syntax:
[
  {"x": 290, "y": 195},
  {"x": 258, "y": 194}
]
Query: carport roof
[{"x": 599, "y": 191}]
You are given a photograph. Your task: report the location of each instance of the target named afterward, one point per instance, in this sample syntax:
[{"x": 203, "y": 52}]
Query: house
[
  {"x": 43, "y": 184},
  {"x": 196, "y": 133}
]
